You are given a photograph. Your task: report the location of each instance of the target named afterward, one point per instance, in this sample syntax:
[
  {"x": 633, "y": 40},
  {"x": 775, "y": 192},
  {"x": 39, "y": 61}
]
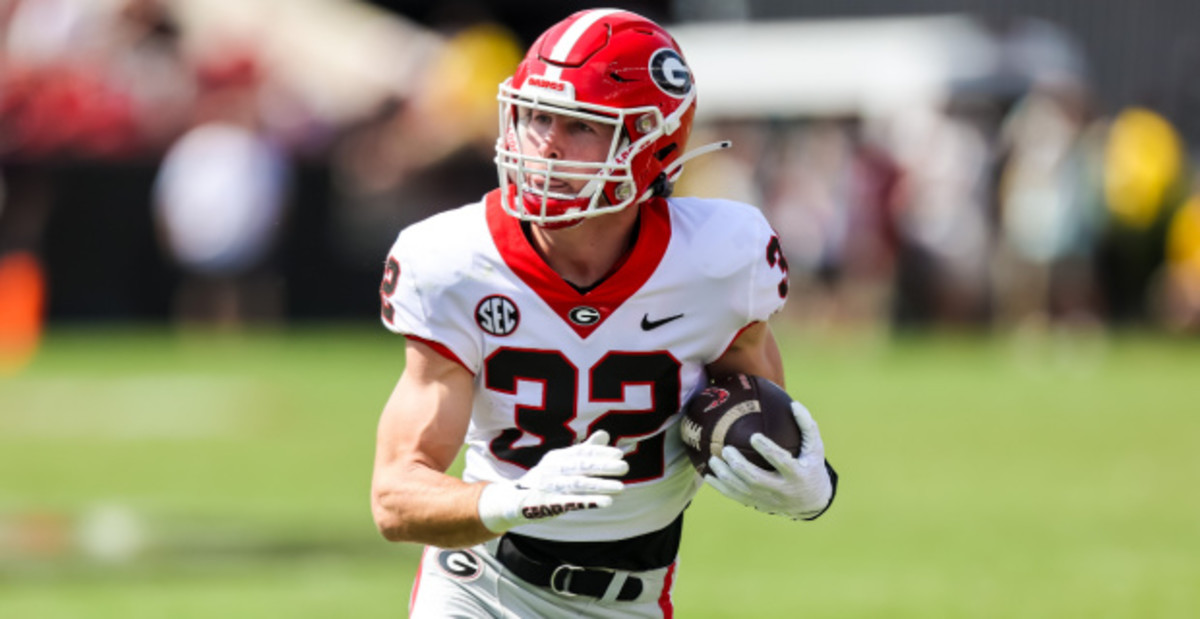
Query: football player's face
[{"x": 554, "y": 136}]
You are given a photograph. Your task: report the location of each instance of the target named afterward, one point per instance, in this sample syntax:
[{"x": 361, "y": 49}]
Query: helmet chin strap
[{"x": 673, "y": 171}]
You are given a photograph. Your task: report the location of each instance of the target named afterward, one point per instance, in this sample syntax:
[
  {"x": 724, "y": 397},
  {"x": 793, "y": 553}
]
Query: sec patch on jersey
[{"x": 731, "y": 410}]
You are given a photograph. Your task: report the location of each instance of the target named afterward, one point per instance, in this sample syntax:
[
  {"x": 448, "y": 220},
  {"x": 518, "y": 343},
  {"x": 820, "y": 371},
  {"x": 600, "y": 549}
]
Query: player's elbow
[
  {"x": 390, "y": 530},
  {"x": 387, "y": 520},
  {"x": 394, "y": 526},
  {"x": 391, "y": 533}
]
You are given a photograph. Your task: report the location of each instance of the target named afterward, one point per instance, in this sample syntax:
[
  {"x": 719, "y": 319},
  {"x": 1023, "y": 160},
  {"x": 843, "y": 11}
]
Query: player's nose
[{"x": 550, "y": 144}]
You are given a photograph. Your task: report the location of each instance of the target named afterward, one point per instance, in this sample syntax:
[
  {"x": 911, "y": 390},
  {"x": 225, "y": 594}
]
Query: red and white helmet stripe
[{"x": 561, "y": 50}]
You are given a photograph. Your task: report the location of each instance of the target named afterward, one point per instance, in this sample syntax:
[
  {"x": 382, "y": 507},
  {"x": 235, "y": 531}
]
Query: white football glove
[
  {"x": 800, "y": 487},
  {"x": 565, "y": 480}
]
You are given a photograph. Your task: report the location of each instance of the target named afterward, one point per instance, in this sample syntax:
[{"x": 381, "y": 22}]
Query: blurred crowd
[
  {"x": 228, "y": 105},
  {"x": 1039, "y": 212},
  {"x": 1038, "y": 208}
]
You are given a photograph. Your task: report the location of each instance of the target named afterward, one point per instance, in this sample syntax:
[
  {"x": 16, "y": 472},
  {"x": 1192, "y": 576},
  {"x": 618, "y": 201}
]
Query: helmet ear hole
[{"x": 661, "y": 187}]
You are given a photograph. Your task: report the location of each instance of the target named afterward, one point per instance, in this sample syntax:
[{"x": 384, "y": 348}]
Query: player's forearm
[
  {"x": 426, "y": 507},
  {"x": 754, "y": 352}
]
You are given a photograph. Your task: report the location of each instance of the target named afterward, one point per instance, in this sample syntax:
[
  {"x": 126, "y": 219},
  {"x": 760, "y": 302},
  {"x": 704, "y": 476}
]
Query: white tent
[{"x": 832, "y": 67}]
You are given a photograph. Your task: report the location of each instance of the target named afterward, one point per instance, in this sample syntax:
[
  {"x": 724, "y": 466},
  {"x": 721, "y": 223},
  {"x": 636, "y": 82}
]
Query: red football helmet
[{"x": 607, "y": 66}]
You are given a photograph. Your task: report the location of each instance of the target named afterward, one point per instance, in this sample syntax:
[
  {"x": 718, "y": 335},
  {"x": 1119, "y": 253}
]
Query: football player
[{"x": 557, "y": 326}]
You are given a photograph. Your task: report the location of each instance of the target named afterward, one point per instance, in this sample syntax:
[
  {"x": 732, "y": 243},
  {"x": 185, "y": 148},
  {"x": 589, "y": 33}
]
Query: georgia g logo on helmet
[{"x": 670, "y": 73}]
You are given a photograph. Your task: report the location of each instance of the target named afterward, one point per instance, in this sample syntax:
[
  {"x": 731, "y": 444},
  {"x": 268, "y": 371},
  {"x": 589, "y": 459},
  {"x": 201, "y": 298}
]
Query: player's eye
[
  {"x": 582, "y": 127},
  {"x": 526, "y": 116}
]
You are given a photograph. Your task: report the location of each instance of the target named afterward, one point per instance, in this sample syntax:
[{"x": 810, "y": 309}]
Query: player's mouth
[{"x": 537, "y": 184}]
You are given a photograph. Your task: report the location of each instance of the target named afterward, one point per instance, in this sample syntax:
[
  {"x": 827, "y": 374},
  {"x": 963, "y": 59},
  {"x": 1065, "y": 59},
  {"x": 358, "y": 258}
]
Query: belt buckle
[{"x": 570, "y": 570}]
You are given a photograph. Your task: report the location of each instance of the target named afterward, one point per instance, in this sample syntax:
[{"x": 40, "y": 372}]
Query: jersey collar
[{"x": 582, "y": 312}]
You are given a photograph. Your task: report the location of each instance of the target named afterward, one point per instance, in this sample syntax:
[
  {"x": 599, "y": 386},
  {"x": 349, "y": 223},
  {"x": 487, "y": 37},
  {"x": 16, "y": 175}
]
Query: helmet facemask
[{"x": 527, "y": 180}]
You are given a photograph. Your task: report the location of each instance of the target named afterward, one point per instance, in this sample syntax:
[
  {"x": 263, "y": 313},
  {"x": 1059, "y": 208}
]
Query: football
[{"x": 731, "y": 410}]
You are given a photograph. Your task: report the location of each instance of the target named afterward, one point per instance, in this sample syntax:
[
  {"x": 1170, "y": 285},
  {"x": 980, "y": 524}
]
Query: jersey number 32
[{"x": 560, "y": 379}]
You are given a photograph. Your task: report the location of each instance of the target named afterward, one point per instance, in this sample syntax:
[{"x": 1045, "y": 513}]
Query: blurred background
[{"x": 991, "y": 213}]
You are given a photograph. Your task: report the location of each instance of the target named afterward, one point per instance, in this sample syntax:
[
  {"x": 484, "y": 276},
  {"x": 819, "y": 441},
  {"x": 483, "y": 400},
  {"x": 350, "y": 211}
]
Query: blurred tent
[
  {"x": 128, "y": 65},
  {"x": 868, "y": 66},
  {"x": 340, "y": 57}
]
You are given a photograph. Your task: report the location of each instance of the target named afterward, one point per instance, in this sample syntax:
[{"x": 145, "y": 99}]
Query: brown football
[{"x": 731, "y": 410}]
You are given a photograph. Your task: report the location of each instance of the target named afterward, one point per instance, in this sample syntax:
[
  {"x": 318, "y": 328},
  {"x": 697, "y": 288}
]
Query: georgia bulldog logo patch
[
  {"x": 497, "y": 315},
  {"x": 460, "y": 564},
  {"x": 670, "y": 73},
  {"x": 717, "y": 397},
  {"x": 584, "y": 315}
]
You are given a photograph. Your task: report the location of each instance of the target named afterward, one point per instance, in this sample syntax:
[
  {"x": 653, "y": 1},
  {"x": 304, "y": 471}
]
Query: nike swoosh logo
[{"x": 648, "y": 324}]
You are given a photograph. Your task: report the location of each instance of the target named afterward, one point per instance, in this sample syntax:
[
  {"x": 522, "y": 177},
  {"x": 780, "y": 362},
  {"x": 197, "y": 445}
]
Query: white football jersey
[{"x": 552, "y": 365}]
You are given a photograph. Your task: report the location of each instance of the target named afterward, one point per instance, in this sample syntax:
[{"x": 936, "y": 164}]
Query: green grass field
[{"x": 153, "y": 474}]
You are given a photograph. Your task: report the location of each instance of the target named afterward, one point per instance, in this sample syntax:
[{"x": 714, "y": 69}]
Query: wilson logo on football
[{"x": 497, "y": 315}]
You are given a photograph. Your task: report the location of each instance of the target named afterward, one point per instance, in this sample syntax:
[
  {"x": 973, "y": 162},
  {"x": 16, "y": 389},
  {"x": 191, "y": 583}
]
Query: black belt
[{"x": 563, "y": 578}]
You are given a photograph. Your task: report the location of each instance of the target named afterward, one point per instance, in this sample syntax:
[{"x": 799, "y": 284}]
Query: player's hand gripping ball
[{"x": 730, "y": 411}]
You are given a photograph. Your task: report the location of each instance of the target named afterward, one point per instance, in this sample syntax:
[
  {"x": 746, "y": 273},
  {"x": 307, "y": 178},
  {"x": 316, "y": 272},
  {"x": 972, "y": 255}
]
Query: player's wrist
[
  {"x": 499, "y": 506},
  {"x": 828, "y": 502}
]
